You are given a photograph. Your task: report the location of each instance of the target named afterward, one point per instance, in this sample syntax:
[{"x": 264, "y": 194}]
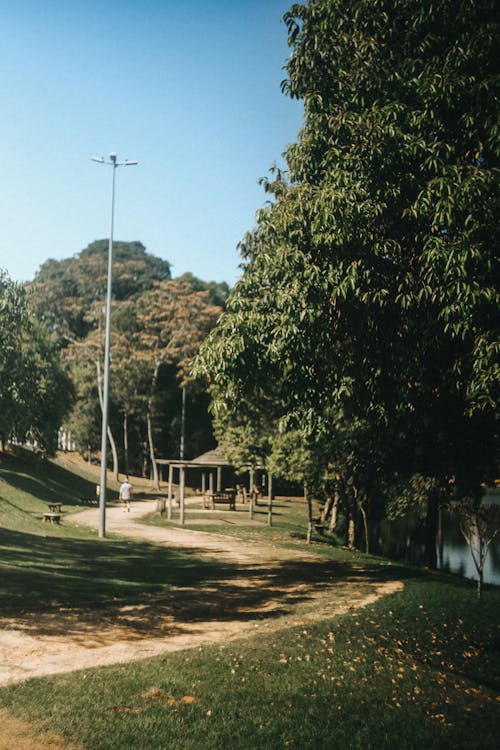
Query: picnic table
[
  {"x": 53, "y": 515},
  {"x": 55, "y": 507}
]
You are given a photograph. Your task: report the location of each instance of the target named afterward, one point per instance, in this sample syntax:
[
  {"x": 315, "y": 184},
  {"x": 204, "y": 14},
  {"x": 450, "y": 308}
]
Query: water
[
  {"x": 404, "y": 540},
  {"x": 456, "y": 556}
]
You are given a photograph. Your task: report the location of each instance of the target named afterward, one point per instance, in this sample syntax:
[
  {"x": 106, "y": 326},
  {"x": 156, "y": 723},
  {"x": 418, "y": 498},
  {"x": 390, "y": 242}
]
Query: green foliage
[
  {"x": 367, "y": 315},
  {"x": 65, "y": 292},
  {"x": 35, "y": 393}
]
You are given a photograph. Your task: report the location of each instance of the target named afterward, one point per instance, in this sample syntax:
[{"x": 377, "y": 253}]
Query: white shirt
[{"x": 125, "y": 491}]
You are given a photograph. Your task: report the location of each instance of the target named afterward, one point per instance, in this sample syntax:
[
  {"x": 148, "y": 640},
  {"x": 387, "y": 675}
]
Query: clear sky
[{"x": 189, "y": 89}]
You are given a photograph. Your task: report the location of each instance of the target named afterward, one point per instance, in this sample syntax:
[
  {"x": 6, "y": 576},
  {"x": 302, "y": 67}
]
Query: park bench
[
  {"x": 227, "y": 497},
  {"x": 89, "y": 500},
  {"x": 52, "y": 517}
]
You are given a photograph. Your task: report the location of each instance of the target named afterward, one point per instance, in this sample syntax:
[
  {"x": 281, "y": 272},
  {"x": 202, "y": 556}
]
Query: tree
[
  {"x": 35, "y": 393},
  {"x": 171, "y": 322},
  {"x": 66, "y": 293},
  {"x": 370, "y": 290},
  {"x": 479, "y": 523}
]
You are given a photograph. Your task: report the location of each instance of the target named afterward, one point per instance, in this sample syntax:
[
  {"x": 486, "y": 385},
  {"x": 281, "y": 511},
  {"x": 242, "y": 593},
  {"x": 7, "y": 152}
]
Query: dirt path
[{"x": 269, "y": 588}]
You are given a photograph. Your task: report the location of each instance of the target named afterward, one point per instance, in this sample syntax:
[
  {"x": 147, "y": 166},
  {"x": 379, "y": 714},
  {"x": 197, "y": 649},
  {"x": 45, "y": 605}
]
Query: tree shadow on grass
[
  {"x": 53, "y": 586},
  {"x": 41, "y": 571},
  {"x": 50, "y": 483}
]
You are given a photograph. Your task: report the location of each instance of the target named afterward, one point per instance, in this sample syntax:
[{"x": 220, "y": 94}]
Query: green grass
[
  {"x": 45, "y": 566},
  {"x": 27, "y": 484},
  {"x": 416, "y": 669},
  {"x": 289, "y": 522}
]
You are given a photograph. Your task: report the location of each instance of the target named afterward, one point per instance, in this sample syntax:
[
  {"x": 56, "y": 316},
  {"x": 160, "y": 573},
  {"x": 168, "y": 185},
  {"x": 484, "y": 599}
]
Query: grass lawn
[
  {"x": 43, "y": 566},
  {"x": 417, "y": 669}
]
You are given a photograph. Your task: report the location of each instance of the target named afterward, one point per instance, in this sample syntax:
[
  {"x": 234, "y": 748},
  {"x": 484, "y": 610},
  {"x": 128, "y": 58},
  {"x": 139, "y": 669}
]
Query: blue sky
[{"x": 191, "y": 90}]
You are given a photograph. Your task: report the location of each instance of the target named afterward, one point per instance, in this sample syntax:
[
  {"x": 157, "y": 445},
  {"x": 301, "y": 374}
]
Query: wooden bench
[
  {"x": 89, "y": 500},
  {"x": 55, "y": 507},
  {"x": 52, "y": 517},
  {"x": 210, "y": 499}
]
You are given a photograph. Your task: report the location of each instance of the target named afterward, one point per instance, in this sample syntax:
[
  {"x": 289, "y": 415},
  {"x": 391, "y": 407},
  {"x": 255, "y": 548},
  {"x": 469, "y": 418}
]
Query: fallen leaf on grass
[
  {"x": 153, "y": 693},
  {"x": 125, "y": 709}
]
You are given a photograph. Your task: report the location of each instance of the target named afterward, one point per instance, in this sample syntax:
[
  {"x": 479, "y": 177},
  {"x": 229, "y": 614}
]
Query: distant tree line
[
  {"x": 359, "y": 351},
  {"x": 158, "y": 324}
]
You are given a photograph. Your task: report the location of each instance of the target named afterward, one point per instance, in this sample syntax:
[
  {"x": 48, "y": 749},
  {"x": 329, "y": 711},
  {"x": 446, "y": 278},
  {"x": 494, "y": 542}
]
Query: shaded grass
[
  {"x": 416, "y": 669},
  {"x": 46, "y": 571}
]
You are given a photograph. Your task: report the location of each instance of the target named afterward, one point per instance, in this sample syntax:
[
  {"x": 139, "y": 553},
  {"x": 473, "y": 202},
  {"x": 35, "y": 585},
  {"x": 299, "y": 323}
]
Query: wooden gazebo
[{"x": 211, "y": 465}]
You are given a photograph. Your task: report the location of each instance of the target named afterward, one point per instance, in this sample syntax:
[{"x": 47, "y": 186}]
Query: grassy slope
[
  {"x": 42, "y": 565},
  {"x": 416, "y": 669}
]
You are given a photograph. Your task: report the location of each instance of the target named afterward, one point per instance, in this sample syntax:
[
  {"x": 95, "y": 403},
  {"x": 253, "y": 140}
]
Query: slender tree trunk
[
  {"x": 431, "y": 527},
  {"x": 109, "y": 433},
  {"x": 351, "y": 521},
  {"x": 270, "y": 500},
  {"x": 307, "y": 498},
  {"x": 125, "y": 441},
  {"x": 365, "y": 525},
  {"x": 335, "y": 509},
  {"x": 154, "y": 466}
]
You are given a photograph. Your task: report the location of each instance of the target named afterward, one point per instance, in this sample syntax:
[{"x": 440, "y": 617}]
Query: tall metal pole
[
  {"x": 183, "y": 423},
  {"x": 105, "y": 400}
]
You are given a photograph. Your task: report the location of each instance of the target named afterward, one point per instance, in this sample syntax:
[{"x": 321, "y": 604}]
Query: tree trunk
[
  {"x": 431, "y": 527},
  {"x": 154, "y": 466},
  {"x": 326, "y": 508},
  {"x": 351, "y": 522},
  {"x": 335, "y": 510},
  {"x": 125, "y": 441},
  {"x": 365, "y": 525},
  {"x": 307, "y": 498}
]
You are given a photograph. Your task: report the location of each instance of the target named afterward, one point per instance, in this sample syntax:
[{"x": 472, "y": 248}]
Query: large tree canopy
[
  {"x": 64, "y": 292},
  {"x": 370, "y": 294}
]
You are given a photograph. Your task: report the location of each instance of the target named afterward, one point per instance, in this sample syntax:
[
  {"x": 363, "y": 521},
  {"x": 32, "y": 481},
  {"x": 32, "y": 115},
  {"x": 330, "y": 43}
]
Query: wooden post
[
  {"x": 270, "y": 500},
  {"x": 170, "y": 473},
  {"x": 181, "y": 492},
  {"x": 211, "y": 483},
  {"x": 219, "y": 478},
  {"x": 203, "y": 483}
]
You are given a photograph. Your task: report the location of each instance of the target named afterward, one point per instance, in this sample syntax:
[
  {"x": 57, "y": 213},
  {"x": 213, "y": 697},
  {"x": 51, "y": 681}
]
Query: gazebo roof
[{"x": 210, "y": 458}]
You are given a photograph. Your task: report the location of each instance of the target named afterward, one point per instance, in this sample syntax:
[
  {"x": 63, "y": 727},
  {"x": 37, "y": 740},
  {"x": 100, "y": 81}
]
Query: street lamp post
[{"x": 105, "y": 394}]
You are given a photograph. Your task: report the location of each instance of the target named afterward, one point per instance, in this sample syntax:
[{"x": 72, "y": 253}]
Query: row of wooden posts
[{"x": 253, "y": 493}]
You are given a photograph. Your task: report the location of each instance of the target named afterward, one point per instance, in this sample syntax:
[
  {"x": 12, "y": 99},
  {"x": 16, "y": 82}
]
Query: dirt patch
[{"x": 19, "y": 735}]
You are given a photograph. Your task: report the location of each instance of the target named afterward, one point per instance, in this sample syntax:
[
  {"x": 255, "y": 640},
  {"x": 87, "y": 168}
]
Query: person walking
[{"x": 126, "y": 494}]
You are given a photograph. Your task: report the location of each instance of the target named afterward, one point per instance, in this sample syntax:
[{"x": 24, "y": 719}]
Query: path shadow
[{"x": 71, "y": 587}]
